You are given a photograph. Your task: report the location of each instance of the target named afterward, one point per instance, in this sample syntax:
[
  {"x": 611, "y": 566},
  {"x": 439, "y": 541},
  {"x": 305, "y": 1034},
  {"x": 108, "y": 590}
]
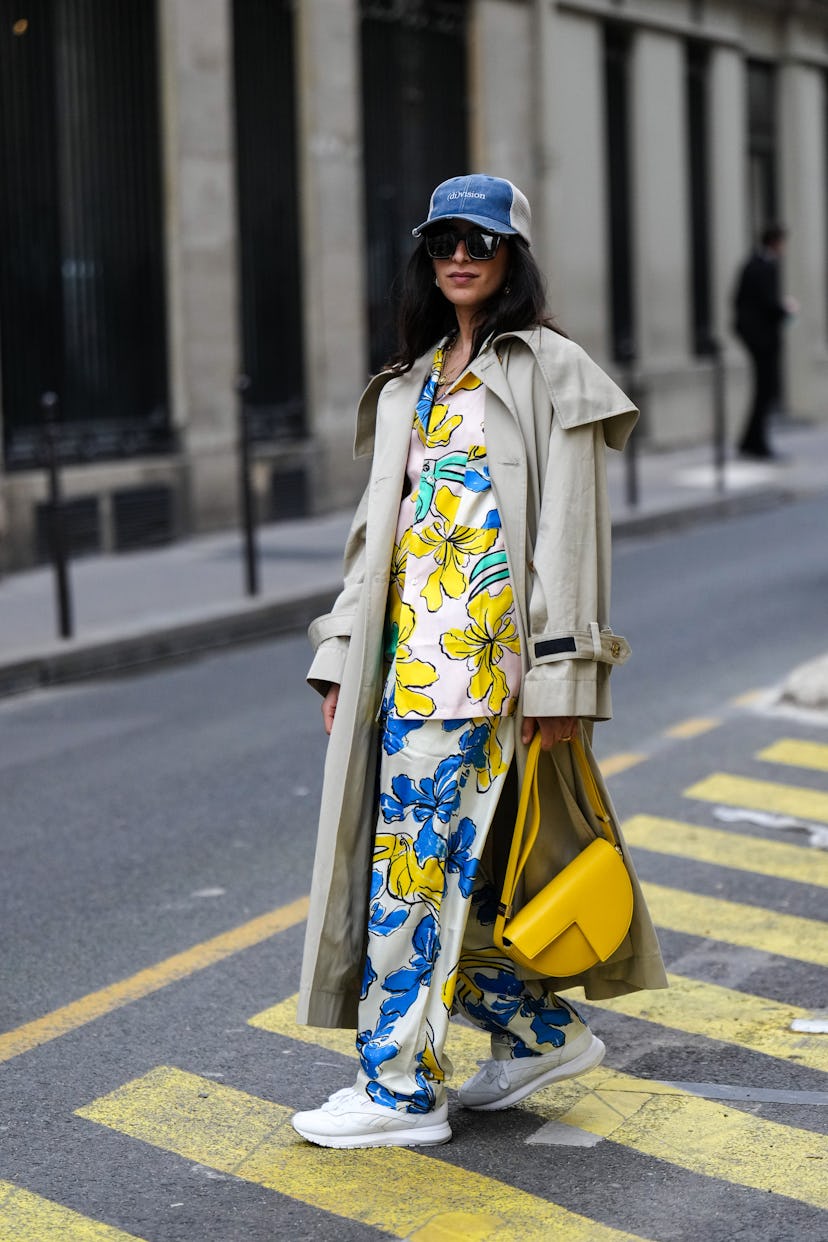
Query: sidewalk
[{"x": 141, "y": 608}]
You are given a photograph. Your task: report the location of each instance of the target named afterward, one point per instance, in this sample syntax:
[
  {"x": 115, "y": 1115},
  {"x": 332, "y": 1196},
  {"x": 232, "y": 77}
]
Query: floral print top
[{"x": 451, "y": 640}]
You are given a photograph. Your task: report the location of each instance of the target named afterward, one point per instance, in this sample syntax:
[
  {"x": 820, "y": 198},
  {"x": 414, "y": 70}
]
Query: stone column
[
  {"x": 729, "y": 231},
  {"x": 500, "y": 51},
  {"x": 202, "y": 269},
  {"x": 803, "y": 154},
  {"x": 333, "y": 238},
  {"x": 661, "y": 230},
  {"x": 660, "y": 192},
  {"x": 559, "y": 158},
  {"x": 576, "y": 231}
]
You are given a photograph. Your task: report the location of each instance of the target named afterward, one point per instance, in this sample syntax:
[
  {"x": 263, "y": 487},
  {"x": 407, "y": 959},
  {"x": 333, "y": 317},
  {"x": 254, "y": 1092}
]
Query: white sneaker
[
  {"x": 500, "y": 1084},
  {"x": 350, "y": 1119}
]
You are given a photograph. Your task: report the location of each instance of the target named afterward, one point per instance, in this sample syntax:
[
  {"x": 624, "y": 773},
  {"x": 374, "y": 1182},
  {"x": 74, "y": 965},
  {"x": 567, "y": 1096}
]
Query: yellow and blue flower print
[
  {"x": 432, "y": 826},
  {"x": 426, "y": 886},
  {"x": 481, "y": 748},
  {"x": 449, "y": 570},
  {"x": 437, "y": 795}
]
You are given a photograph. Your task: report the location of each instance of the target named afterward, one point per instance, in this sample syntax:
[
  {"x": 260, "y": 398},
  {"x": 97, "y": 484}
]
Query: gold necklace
[{"x": 446, "y": 381}]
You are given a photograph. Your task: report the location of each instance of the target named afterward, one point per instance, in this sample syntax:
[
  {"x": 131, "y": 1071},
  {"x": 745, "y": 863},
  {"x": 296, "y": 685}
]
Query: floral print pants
[{"x": 430, "y": 948}]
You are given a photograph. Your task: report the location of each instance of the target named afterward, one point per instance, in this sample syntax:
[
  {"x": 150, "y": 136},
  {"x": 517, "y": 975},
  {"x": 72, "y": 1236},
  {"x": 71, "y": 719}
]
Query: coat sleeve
[
  {"x": 330, "y": 634},
  {"x": 571, "y": 647}
]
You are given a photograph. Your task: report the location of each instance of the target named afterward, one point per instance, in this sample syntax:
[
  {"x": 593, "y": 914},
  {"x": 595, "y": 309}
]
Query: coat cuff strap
[{"x": 590, "y": 644}]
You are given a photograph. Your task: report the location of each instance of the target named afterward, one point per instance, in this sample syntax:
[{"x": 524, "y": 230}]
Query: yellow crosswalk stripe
[
  {"x": 26, "y": 1217},
  {"x": 728, "y": 849},
  {"x": 797, "y": 754},
  {"x": 749, "y": 926},
  {"x": 762, "y": 796},
  {"x": 399, "y": 1191},
  {"x": 693, "y": 727},
  {"x": 654, "y": 1118},
  {"x": 750, "y": 699},
  {"x": 708, "y": 1137},
  {"x": 614, "y": 764},
  {"x": 752, "y": 1022},
  {"x": 145, "y": 982}
]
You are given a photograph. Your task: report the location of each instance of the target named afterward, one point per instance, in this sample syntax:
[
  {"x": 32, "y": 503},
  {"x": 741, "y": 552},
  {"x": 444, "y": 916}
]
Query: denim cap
[{"x": 490, "y": 202}]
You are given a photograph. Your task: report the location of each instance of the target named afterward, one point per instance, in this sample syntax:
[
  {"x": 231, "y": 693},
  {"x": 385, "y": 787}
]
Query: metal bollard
[
  {"x": 247, "y": 498},
  {"x": 631, "y": 462},
  {"x": 719, "y": 413},
  {"x": 633, "y": 388},
  {"x": 49, "y": 405}
]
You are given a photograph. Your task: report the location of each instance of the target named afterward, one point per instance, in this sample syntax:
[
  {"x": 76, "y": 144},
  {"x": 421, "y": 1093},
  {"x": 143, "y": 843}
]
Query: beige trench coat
[{"x": 549, "y": 413}]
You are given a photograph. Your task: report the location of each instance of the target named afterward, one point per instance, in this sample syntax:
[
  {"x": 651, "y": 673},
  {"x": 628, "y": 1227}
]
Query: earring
[
  {"x": 507, "y": 288},
  {"x": 436, "y": 281}
]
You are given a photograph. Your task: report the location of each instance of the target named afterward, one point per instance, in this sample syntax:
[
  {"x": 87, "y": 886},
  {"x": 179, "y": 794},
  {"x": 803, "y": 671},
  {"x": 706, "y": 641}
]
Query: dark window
[
  {"x": 271, "y": 305},
  {"x": 415, "y": 120},
  {"x": 825, "y": 138},
  {"x": 617, "y": 95},
  {"x": 81, "y": 250},
  {"x": 698, "y": 119},
  {"x": 762, "y": 144}
]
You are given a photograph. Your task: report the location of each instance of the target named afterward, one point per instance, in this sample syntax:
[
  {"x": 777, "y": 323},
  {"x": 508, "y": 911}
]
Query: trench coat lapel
[{"x": 394, "y": 421}]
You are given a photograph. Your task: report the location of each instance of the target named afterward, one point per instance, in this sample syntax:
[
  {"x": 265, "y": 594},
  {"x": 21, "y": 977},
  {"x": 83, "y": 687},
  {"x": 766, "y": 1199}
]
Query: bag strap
[
  {"x": 517, "y": 859},
  {"x": 529, "y": 812},
  {"x": 593, "y": 792}
]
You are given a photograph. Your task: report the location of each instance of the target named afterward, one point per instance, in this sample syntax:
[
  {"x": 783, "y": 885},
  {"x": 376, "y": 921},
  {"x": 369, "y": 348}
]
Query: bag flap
[{"x": 594, "y": 892}]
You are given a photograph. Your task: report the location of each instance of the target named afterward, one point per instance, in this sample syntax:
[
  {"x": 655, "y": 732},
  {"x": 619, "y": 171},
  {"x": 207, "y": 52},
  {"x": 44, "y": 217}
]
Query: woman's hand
[
  {"x": 329, "y": 707},
  {"x": 553, "y": 729}
]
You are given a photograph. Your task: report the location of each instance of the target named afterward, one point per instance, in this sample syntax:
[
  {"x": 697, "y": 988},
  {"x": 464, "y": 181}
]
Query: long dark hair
[{"x": 425, "y": 316}]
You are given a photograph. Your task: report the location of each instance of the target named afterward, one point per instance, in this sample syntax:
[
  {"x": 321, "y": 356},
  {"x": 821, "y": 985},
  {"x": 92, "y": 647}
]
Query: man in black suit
[{"x": 760, "y": 311}]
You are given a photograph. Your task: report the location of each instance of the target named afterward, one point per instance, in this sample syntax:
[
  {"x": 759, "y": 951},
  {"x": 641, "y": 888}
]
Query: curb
[
  {"x": 656, "y": 522},
  {"x": 254, "y": 621},
  {"x": 161, "y": 643}
]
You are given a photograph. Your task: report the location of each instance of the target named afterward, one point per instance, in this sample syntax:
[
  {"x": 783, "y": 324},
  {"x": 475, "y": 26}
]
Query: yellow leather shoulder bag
[{"x": 580, "y": 917}]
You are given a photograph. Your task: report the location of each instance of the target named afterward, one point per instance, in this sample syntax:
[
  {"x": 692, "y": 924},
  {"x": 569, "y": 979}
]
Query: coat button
[
  {"x": 615, "y": 649},
  {"x": 531, "y": 567}
]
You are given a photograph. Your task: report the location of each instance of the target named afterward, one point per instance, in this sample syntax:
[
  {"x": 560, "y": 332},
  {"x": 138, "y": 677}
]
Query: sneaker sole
[
  {"x": 587, "y": 1060},
  {"x": 429, "y": 1136}
]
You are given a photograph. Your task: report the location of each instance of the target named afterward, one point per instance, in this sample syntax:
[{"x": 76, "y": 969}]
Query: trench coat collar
[
  {"x": 408, "y": 386},
  {"x": 579, "y": 391}
]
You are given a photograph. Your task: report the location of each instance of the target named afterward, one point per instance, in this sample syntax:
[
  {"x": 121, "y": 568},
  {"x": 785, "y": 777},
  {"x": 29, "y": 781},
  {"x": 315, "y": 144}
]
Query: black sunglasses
[{"x": 479, "y": 243}]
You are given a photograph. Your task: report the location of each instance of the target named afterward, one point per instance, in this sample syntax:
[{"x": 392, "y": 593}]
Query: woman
[{"x": 474, "y": 612}]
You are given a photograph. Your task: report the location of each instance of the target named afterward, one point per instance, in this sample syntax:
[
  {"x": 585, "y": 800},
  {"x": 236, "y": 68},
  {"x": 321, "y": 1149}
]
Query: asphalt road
[
  {"x": 716, "y": 611},
  {"x": 145, "y": 815}
]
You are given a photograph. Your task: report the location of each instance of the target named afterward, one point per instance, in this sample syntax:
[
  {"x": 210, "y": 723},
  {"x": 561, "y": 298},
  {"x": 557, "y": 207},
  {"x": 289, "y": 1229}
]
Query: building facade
[{"x": 197, "y": 190}]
